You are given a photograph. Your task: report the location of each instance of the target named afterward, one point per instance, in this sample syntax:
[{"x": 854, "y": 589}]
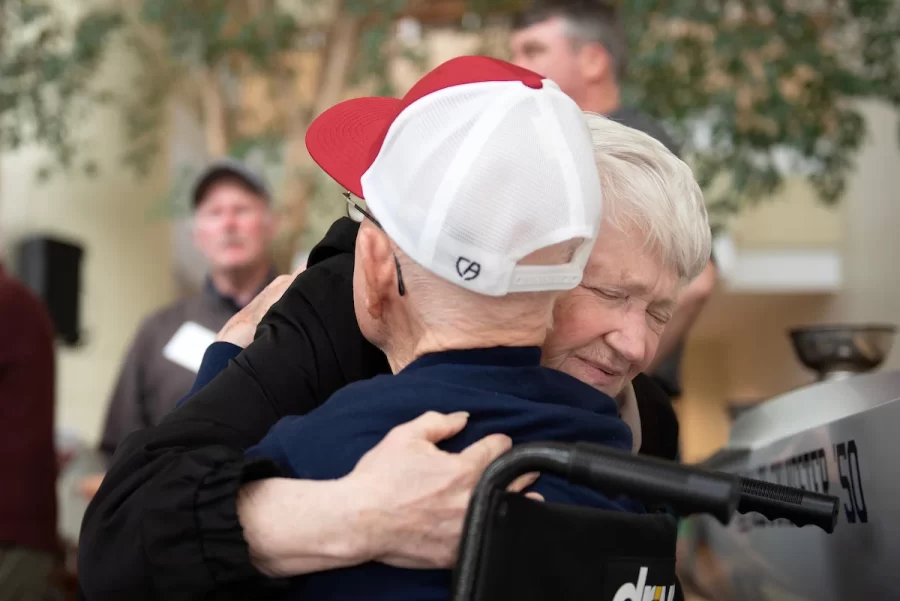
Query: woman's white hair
[{"x": 648, "y": 189}]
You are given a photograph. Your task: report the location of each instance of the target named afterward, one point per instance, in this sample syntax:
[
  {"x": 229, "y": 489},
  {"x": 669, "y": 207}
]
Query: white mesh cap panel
[{"x": 473, "y": 178}]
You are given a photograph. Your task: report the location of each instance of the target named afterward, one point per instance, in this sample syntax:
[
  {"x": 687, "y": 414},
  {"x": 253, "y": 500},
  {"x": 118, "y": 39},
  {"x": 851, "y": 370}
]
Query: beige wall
[
  {"x": 872, "y": 220},
  {"x": 744, "y": 354},
  {"x": 126, "y": 271},
  {"x": 701, "y": 416},
  {"x": 793, "y": 219}
]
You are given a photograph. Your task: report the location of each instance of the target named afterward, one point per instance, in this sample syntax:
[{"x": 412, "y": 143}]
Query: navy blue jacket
[{"x": 505, "y": 390}]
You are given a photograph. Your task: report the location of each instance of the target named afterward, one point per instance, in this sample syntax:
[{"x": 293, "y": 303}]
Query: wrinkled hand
[
  {"x": 241, "y": 328},
  {"x": 414, "y": 496}
]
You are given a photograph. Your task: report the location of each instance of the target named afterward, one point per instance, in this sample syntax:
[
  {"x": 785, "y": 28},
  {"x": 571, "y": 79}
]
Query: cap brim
[{"x": 341, "y": 140}]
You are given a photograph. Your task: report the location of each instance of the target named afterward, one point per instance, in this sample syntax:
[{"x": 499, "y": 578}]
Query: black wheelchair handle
[
  {"x": 801, "y": 507},
  {"x": 691, "y": 490},
  {"x": 687, "y": 490}
]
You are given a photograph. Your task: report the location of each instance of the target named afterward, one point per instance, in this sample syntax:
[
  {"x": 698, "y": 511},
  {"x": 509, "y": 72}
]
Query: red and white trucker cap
[{"x": 479, "y": 165}]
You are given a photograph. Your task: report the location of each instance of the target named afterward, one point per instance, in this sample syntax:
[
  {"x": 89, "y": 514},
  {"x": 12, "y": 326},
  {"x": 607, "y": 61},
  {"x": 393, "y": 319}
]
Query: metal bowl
[{"x": 840, "y": 350}]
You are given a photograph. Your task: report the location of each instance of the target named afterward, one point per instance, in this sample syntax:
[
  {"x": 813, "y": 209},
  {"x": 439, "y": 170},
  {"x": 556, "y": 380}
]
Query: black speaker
[{"x": 51, "y": 268}]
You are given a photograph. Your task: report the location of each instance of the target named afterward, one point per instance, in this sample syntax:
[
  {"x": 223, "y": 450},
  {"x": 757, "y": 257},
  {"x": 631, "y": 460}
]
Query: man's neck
[
  {"x": 603, "y": 98},
  {"x": 242, "y": 285},
  {"x": 400, "y": 355}
]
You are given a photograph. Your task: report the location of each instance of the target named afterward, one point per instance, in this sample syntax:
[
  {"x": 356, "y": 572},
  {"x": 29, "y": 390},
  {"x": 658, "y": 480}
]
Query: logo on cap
[{"x": 467, "y": 270}]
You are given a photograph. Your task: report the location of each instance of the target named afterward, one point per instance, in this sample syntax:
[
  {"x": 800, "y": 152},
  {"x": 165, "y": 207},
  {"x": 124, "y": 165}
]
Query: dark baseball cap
[{"x": 229, "y": 168}]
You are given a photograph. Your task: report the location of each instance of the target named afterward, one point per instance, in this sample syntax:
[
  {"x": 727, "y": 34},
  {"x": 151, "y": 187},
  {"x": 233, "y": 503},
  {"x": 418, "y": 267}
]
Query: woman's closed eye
[
  {"x": 659, "y": 317},
  {"x": 604, "y": 293}
]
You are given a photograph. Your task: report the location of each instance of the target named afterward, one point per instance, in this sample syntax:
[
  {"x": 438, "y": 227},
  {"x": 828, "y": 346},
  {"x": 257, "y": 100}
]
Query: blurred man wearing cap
[
  {"x": 581, "y": 45},
  {"x": 233, "y": 228},
  {"x": 468, "y": 239}
]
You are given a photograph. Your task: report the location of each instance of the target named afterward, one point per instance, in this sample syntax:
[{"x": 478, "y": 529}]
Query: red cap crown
[{"x": 345, "y": 139}]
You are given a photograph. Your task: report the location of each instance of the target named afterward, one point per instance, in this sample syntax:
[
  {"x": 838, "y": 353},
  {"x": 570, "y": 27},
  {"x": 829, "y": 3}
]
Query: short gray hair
[{"x": 648, "y": 189}]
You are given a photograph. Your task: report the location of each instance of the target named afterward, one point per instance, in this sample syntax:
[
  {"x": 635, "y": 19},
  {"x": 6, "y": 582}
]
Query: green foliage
[
  {"x": 46, "y": 66},
  {"x": 773, "y": 83},
  {"x": 202, "y": 32},
  {"x": 205, "y": 35},
  {"x": 195, "y": 37},
  {"x": 772, "y": 80}
]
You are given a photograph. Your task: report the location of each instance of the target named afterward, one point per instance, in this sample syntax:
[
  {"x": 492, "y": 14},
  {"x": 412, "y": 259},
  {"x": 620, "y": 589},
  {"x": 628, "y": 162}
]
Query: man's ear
[
  {"x": 375, "y": 257},
  {"x": 595, "y": 62}
]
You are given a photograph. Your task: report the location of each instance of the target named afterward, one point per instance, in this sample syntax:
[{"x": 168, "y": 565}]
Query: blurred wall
[
  {"x": 872, "y": 220},
  {"x": 793, "y": 218},
  {"x": 746, "y": 356},
  {"x": 127, "y": 264}
]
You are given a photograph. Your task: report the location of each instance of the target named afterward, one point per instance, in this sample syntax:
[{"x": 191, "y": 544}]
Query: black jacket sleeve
[
  {"x": 163, "y": 524},
  {"x": 659, "y": 423}
]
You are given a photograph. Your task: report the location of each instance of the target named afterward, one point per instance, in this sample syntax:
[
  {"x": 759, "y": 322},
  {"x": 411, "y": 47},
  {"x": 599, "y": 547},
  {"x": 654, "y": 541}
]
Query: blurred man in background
[
  {"x": 28, "y": 539},
  {"x": 582, "y": 46},
  {"x": 233, "y": 227}
]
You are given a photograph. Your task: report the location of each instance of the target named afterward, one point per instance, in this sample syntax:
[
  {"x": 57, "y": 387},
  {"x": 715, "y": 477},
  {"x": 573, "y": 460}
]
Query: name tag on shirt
[{"x": 187, "y": 346}]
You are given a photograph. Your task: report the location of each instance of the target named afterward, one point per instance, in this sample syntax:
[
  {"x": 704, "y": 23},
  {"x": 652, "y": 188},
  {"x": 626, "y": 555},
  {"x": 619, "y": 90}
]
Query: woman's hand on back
[
  {"x": 415, "y": 496},
  {"x": 241, "y": 328},
  {"x": 404, "y": 505}
]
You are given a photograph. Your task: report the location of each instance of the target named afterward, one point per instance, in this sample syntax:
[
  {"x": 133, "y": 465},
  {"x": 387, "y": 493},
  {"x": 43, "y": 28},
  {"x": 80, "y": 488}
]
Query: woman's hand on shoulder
[
  {"x": 414, "y": 496},
  {"x": 241, "y": 328},
  {"x": 404, "y": 504}
]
